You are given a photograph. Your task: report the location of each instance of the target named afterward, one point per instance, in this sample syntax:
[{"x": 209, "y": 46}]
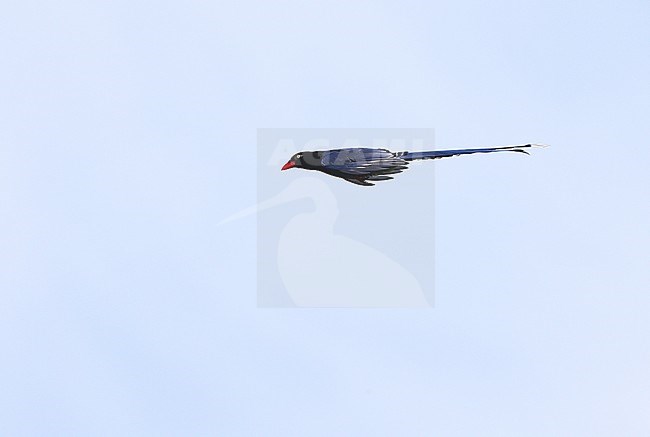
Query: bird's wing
[{"x": 363, "y": 164}]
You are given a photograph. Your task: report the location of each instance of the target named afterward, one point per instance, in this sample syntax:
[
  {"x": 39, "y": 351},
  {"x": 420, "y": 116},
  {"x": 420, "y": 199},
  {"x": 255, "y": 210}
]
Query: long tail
[{"x": 435, "y": 154}]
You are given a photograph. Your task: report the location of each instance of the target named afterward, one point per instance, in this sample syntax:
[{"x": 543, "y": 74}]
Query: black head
[{"x": 308, "y": 160}]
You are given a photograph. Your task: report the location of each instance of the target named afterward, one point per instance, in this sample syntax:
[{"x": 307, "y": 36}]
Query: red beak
[{"x": 288, "y": 165}]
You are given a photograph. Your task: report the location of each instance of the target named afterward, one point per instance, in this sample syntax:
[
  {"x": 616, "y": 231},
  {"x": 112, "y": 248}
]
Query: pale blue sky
[{"x": 128, "y": 130}]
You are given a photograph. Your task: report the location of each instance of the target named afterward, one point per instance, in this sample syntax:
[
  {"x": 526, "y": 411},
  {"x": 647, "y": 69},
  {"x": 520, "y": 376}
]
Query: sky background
[{"x": 128, "y": 132}]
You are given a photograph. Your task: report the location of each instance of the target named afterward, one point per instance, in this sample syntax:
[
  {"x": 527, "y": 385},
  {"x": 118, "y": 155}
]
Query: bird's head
[
  {"x": 294, "y": 161},
  {"x": 308, "y": 160}
]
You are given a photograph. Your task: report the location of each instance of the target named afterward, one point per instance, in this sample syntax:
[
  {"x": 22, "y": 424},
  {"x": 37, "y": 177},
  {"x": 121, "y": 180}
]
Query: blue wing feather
[{"x": 363, "y": 162}]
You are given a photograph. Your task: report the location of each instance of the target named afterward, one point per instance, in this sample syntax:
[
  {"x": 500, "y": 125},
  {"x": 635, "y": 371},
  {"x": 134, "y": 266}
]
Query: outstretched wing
[{"x": 361, "y": 165}]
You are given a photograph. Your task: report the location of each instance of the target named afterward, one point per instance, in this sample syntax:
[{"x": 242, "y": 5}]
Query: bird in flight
[{"x": 363, "y": 166}]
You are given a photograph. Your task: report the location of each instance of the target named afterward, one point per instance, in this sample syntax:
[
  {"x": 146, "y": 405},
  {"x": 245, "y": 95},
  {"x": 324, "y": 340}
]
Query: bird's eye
[{"x": 299, "y": 155}]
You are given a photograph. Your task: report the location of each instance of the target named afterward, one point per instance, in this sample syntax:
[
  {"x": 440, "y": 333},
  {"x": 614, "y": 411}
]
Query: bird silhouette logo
[{"x": 333, "y": 269}]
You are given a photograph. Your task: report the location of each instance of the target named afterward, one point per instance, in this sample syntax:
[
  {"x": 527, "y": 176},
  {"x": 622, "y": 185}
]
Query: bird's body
[{"x": 363, "y": 166}]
